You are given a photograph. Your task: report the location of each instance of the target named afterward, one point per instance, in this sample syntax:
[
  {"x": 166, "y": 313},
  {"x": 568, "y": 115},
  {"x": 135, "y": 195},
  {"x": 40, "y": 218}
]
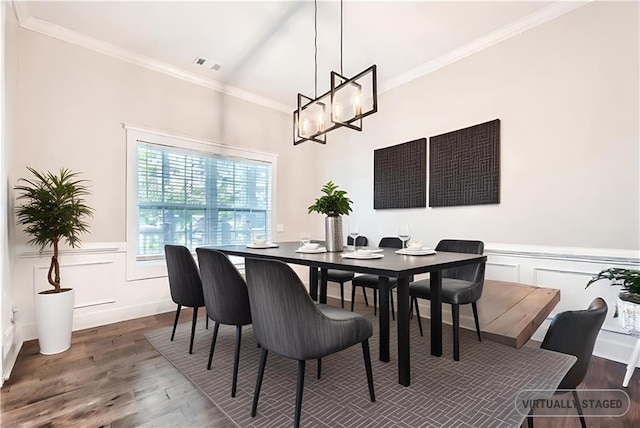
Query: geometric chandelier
[{"x": 345, "y": 105}]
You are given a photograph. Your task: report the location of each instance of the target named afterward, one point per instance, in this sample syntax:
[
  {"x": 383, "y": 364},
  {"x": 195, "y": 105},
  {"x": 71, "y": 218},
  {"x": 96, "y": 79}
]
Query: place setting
[
  {"x": 364, "y": 252},
  {"x": 260, "y": 242},
  {"x": 308, "y": 247},
  {"x": 411, "y": 248}
]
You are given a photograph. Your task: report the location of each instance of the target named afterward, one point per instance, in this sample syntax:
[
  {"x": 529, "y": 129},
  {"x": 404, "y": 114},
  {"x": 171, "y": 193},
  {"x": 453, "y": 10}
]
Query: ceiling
[{"x": 266, "y": 48}]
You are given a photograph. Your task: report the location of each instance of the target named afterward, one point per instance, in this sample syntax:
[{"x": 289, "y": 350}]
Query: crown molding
[
  {"x": 56, "y": 31},
  {"x": 32, "y": 23},
  {"x": 540, "y": 17}
]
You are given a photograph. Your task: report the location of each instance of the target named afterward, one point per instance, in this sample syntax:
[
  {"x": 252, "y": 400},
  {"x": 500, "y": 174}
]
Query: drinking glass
[
  {"x": 354, "y": 232},
  {"x": 403, "y": 234},
  {"x": 305, "y": 238}
]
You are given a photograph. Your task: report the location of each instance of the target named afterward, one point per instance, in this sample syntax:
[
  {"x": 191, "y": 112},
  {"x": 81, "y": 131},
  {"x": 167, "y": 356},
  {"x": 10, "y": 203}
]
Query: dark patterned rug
[{"x": 478, "y": 391}]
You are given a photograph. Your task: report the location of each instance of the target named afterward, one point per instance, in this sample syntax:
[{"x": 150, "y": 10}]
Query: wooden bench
[{"x": 510, "y": 313}]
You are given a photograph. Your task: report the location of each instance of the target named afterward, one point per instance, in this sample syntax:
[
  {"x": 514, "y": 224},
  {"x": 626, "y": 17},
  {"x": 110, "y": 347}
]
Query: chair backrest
[
  {"x": 184, "y": 279},
  {"x": 575, "y": 333},
  {"x": 361, "y": 241},
  {"x": 225, "y": 291},
  {"x": 285, "y": 319},
  {"x": 390, "y": 242},
  {"x": 472, "y": 273}
]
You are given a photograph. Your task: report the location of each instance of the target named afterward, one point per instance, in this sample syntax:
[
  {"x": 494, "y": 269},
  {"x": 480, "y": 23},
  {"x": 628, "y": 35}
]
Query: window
[{"x": 192, "y": 193}]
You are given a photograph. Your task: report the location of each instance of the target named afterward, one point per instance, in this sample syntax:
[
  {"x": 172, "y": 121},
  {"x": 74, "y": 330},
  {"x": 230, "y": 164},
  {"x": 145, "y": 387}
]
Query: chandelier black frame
[{"x": 328, "y": 110}]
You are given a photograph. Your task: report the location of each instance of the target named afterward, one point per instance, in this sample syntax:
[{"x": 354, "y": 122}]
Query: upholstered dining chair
[
  {"x": 287, "y": 322},
  {"x": 184, "y": 284},
  {"x": 226, "y": 300},
  {"x": 371, "y": 281},
  {"x": 575, "y": 333},
  {"x": 342, "y": 276},
  {"x": 460, "y": 285}
]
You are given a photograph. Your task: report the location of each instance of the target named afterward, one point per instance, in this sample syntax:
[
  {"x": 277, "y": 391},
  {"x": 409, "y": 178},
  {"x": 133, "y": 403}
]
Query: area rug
[{"x": 477, "y": 391}]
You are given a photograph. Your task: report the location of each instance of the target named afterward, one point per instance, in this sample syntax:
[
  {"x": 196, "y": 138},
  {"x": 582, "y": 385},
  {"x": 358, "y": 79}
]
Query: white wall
[
  {"x": 566, "y": 93},
  {"x": 9, "y": 70},
  {"x": 72, "y": 103}
]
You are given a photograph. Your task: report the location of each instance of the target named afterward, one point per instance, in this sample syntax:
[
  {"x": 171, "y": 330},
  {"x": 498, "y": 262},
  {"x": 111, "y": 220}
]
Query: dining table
[{"x": 391, "y": 265}]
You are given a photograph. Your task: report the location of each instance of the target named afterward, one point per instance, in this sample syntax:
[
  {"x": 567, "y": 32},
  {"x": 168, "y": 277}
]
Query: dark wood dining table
[{"x": 392, "y": 265}]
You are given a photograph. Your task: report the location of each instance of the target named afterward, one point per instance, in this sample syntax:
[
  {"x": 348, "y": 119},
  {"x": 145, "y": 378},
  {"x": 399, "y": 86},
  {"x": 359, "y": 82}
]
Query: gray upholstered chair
[
  {"x": 460, "y": 285},
  {"x": 226, "y": 299},
  {"x": 287, "y": 322},
  {"x": 184, "y": 284},
  {"x": 575, "y": 333},
  {"x": 342, "y": 276},
  {"x": 371, "y": 281}
]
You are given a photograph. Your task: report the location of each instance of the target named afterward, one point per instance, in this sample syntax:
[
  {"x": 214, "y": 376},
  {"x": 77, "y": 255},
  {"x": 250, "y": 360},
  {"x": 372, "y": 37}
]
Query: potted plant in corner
[
  {"x": 334, "y": 204},
  {"x": 53, "y": 210},
  {"x": 628, "y": 303}
]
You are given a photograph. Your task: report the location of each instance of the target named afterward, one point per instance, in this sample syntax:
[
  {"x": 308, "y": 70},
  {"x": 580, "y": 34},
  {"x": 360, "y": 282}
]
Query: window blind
[{"x": 193, "y": 199}]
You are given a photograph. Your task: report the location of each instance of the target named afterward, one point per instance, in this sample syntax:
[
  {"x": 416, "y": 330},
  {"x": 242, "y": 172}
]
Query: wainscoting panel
[
  {"x": 94, "y": 283},
  {"x": 501, "y": 271}
]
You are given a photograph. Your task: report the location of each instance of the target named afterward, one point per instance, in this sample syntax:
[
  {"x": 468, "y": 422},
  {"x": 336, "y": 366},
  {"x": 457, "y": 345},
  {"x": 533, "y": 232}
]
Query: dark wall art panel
[
  {"x": 464, "y": 166},
  {"x": 400, "y": 175}
]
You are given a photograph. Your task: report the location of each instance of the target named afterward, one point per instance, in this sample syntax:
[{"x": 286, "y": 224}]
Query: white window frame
[{"x": 137, "y": 269}]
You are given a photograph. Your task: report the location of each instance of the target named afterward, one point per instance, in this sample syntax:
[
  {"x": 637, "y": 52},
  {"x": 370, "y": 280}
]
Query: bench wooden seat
[{"x": 510, "y": 313}]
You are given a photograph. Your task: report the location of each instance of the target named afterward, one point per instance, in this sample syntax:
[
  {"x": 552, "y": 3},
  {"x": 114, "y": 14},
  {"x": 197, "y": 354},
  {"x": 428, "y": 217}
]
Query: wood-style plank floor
[{"x": 113, "y": 377}]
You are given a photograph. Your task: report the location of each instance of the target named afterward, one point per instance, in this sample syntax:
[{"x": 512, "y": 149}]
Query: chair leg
[
  {"x": 455, "y": 313},
  {"x": 530, "y": 419},
  {"x": 475, "y": 317},
  {"x": 299, "y": 389},
  {"x": 353, "y": 296},
  {"x": 576, "y": 399},
  {"x": 193, "y": 329},
  {"x": 213, "y": 343},
  {"x": 206, "y": 323},
  {"x": 319, "y": 367},
  {"x": 175, "y": 323},
  {"x": 367, "y": 366},
  {"x": 364, "y": 293},
  {"x": 256, "y": 392},
  {"x": 236, "y": 360},
  {"x": 342, "y": 295},
  {"x": 375, "y": 301},
  {"x": 418, "y": 316},
  {"x": 393, "y": 312}
]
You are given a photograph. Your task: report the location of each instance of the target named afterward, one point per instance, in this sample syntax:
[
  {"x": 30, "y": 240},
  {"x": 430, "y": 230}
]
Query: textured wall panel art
[
  {"x": 400, "y": 175},
  {"x": 464, "y": 166}
]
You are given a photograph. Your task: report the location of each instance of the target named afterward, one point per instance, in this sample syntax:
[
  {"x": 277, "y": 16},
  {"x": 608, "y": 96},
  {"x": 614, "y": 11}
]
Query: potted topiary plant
[
  {"x": 334, "y": 204},
  {"x": 53, "y": 210},
  {"x": 628, "y": 304}
]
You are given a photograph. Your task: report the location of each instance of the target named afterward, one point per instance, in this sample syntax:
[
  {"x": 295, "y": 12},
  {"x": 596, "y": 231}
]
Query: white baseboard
[
  {"x": 103, "y": 317},
  {"x": 10, "y": 360}
]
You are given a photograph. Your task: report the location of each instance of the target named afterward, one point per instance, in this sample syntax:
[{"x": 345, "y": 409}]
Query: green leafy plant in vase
[
  {"x": 53, "y": 210},
  {"x": 333, "y": 204}
]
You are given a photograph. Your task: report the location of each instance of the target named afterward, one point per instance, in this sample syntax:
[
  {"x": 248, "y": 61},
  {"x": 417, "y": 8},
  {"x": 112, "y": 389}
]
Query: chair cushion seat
[
  {"x": 341, "y": 276},
  {"x": 348, "y": 329},
  {"x": 371, "y": 281},
  {"x": 454, "y": 291}
]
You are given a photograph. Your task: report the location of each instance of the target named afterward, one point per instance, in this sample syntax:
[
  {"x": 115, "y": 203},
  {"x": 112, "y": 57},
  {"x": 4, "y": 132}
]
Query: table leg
[
  {"x": 313, "y": 283},
  {"x": 435, "y": 298},
  {"x": 383, "y": 317},
  {"x": 635, "y": 355},
  {"x": 404, "y": 309},
  {"x": 323, "y": 285}
]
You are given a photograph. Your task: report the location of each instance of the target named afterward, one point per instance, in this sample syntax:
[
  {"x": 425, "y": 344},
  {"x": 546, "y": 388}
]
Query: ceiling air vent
[{"x": 206, "y": 63}]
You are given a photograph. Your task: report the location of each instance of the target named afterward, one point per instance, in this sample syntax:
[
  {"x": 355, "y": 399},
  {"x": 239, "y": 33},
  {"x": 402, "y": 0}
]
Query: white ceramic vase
[{"x": 54, "y": 321}]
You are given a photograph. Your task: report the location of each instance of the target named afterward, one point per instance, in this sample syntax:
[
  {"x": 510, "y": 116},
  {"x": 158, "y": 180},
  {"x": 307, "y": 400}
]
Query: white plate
[
  {"x": 353, "y": 255},
  {"x": 423, "y": 252},
  {"x": 314, "y": 251},
  {"x": 262, "y": 246},
  {"x": 372, "y": 249}
]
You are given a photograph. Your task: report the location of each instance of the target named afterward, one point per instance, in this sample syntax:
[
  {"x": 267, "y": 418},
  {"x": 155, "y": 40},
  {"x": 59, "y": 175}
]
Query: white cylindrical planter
[{"x": 54, "y": 320}]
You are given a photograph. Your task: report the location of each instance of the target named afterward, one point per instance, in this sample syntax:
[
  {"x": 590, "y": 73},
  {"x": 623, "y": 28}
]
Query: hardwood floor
[{"x": 113, "y": 377}]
